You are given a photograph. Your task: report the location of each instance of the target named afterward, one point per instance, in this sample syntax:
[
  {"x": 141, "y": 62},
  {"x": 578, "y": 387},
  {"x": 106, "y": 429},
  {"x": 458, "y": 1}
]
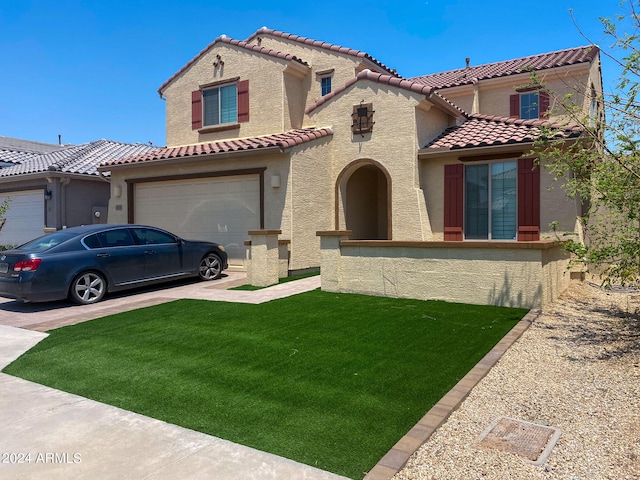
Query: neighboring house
[
  {"x": 54, "y": 186},
  {"x": 283, "y": 133}
]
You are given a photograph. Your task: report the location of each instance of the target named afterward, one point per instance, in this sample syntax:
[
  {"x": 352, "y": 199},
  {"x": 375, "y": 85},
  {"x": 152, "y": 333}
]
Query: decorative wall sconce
[
  {"x": 362, "y": 118},
  {"x": 47, "y": 194}
]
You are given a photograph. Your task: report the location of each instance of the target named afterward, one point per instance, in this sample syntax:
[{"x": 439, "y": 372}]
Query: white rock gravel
[{"x": 577, "y": 368}]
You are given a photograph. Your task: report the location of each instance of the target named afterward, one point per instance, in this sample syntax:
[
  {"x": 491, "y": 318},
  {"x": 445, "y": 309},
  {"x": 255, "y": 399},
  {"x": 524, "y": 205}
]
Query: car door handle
[
  {"x": 102, "y": 255},
  {"x": 149, "y": 252}
]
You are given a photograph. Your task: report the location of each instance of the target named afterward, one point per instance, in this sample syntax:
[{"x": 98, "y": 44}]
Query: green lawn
[{"x": 331, "y": 380}]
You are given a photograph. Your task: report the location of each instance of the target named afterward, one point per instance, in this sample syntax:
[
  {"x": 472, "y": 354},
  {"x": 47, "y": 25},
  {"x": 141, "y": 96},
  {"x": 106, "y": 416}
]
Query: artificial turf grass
[{"x": 331, "y": 380}]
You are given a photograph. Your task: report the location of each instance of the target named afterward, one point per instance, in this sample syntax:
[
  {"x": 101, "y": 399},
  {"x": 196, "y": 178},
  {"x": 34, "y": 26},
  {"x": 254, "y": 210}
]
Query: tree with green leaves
[
  {"x": 4, "y": 206},
  {"x": 602, "y": 168}
]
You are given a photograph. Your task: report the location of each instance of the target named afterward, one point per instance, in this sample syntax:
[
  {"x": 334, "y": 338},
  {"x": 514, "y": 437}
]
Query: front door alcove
[{"x": 364, "y": 188}]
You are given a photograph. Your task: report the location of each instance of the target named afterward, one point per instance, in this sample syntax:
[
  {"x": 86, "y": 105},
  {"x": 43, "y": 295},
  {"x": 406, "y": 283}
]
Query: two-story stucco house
[{"x": 283, "y": 133}]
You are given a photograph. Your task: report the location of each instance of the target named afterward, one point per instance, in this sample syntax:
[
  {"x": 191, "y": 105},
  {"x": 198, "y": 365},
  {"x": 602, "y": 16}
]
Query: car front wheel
[
  {"x": 210, "y": 267},
  {"x": 88, "y": 288}
]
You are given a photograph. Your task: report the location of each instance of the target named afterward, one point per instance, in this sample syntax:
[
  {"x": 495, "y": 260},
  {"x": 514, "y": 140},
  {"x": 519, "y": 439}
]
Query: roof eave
[
  {"x": 428, "y": 153},
  {"x": 202, "y": 156}
]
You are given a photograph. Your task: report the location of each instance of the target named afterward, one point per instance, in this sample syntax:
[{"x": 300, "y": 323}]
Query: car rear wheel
[
  {"x": 88, "y": 287},
  {"x": 210, "y": 267}
]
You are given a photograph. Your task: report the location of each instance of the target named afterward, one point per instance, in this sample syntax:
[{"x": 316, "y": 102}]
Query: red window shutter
[
  {"x": 528, "y": 200},
  {"x": 514, "y": 106},
  {"x": 543, "y": 98},
  {"x": 196, "y": 109},
  {"x": 453, "y": 198},
  {"x": 243, "y": 101}
]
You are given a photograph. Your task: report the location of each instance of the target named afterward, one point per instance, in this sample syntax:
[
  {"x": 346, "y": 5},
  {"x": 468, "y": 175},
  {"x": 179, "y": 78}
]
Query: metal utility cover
[{"x": 528, "y": 440}]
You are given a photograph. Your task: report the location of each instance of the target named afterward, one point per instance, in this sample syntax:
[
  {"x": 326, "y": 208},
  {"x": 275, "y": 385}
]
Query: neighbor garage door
[
  {"x": 25, "y": 217},
  {"x": 221, "y": 209}
]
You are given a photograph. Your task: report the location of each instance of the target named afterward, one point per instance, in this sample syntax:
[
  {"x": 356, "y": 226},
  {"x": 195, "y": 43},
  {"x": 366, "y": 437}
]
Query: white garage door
[
  {"x": 220, "y": 209},
  {"x": 25, "y": 217}
]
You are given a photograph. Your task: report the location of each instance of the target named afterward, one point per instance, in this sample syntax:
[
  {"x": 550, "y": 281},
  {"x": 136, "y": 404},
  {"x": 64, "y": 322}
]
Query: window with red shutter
[
  {"x": 514, "y": 106},
  {"x": 243, "y": 101},
  {"x": 528, "y": 200},
  {"x": 196, "y": 109},
  {"x": 496, "y": 200},
  {"x": 544, "y": 103},
  {"x": 453, "y": 202}
]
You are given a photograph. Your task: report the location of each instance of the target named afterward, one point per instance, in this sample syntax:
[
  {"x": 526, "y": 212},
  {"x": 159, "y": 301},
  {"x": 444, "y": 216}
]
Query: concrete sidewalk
[{"x": 49, "y": 434}]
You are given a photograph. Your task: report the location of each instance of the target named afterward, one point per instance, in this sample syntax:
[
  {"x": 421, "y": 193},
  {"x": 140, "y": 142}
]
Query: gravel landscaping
[{"x": 576, "y": 369}]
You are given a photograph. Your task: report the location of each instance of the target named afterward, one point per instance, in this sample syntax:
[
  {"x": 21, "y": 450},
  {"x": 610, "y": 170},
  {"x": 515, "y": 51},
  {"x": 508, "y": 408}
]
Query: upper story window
[
  {"x": 325, "y": 77},
  {"x": 529, "y": 105},
  {"x": 325, "y": 85},
  {"x": 220, "y": 105}
]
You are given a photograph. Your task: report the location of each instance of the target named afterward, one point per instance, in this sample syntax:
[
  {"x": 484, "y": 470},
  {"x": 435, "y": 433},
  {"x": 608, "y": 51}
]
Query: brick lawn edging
[{"x": 398, "y": 456}]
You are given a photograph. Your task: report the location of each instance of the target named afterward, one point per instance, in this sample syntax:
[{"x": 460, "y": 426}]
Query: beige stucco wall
[
  {"x": 165, "y": 170},
  {"x": 555, "y": 206},
  {"x": 403, "y": 122},
  {"x": 270, "y": 88},
  {"x": 516, "y": 275},
  {"x": 344, "y": 66},
  {"x": 493, "y": 94}
]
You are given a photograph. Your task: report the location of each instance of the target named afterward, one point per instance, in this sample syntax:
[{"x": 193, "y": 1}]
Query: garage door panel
[
  {"x": 24, "y": 218},
  {"x": 221, "y": 209}
]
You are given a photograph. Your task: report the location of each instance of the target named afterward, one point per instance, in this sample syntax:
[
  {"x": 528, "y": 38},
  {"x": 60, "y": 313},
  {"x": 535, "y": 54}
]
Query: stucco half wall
[{"x": 513, "y": 274}]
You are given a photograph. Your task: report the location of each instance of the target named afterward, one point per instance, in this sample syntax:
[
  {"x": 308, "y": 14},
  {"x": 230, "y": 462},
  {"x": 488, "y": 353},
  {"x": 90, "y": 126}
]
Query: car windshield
[{"x": 42, "y": 244}]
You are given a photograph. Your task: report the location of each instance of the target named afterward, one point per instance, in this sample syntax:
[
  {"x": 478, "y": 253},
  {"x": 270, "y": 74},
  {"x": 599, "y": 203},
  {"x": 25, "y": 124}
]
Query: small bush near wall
[{"x": 7, "y": 247}]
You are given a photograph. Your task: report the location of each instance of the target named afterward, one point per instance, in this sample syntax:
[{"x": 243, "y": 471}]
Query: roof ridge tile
[
  {"x": 324, "y": 45},
  {"x": 541, "y": 61}
]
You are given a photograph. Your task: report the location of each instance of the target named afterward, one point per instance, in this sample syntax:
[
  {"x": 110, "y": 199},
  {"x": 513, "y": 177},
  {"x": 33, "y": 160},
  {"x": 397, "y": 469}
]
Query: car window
[
  {"x": 150, "y": 236},
  {"x": 46, "y": 242},
  {"x": 116, "y": 238},
  {"x": 92, "y": 241}
]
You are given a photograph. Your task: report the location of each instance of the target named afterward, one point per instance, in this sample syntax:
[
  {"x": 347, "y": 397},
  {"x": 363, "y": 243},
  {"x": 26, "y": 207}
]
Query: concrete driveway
[{"x": 49, "y": 315}]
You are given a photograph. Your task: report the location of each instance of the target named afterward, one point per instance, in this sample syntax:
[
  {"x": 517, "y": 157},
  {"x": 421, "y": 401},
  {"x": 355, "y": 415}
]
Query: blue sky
[{"x": 88, "y": 70}]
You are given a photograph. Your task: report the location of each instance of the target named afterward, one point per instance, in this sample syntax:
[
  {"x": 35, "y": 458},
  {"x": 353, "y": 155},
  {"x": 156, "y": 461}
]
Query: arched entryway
[{"x": 364, "y": 189}]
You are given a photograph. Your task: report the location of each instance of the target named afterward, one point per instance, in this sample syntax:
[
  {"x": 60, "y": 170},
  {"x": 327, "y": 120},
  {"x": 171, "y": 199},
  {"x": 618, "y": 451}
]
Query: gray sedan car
[{"x": 84, "y": 263}]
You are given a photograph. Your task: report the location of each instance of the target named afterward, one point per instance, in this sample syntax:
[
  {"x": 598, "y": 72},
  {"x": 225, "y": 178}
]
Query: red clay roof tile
[
  {"x": 281, "y": 140},
  {"x": 487, "y": 130},
  {"x": 405, "y": 84},
  {"x": 237, "y": 43},
  {"x": 325, "y": 46},
  {"x": 469, "y": 75}
]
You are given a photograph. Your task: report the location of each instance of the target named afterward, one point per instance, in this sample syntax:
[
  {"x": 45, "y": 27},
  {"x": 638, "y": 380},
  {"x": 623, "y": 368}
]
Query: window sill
[{"x": 219, "y": 128}]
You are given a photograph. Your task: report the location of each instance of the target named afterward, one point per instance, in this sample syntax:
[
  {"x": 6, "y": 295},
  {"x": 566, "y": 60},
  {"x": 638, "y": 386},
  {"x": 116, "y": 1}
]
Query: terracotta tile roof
[
  {"x": 324, "y": 45},
  {"x": 465, "y": 76},
  {"x": 404, "y": 84},
  {"x": 237, "y": 43},
  {"x": 281, "y": 140},
  {"x": 79, "y": 159},
  {"x": 487, "y": 130}
]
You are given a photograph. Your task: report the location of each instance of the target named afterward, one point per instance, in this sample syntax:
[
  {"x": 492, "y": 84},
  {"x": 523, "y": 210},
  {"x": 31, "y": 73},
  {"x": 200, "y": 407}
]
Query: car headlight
[{"x": 221, "y": 247}]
